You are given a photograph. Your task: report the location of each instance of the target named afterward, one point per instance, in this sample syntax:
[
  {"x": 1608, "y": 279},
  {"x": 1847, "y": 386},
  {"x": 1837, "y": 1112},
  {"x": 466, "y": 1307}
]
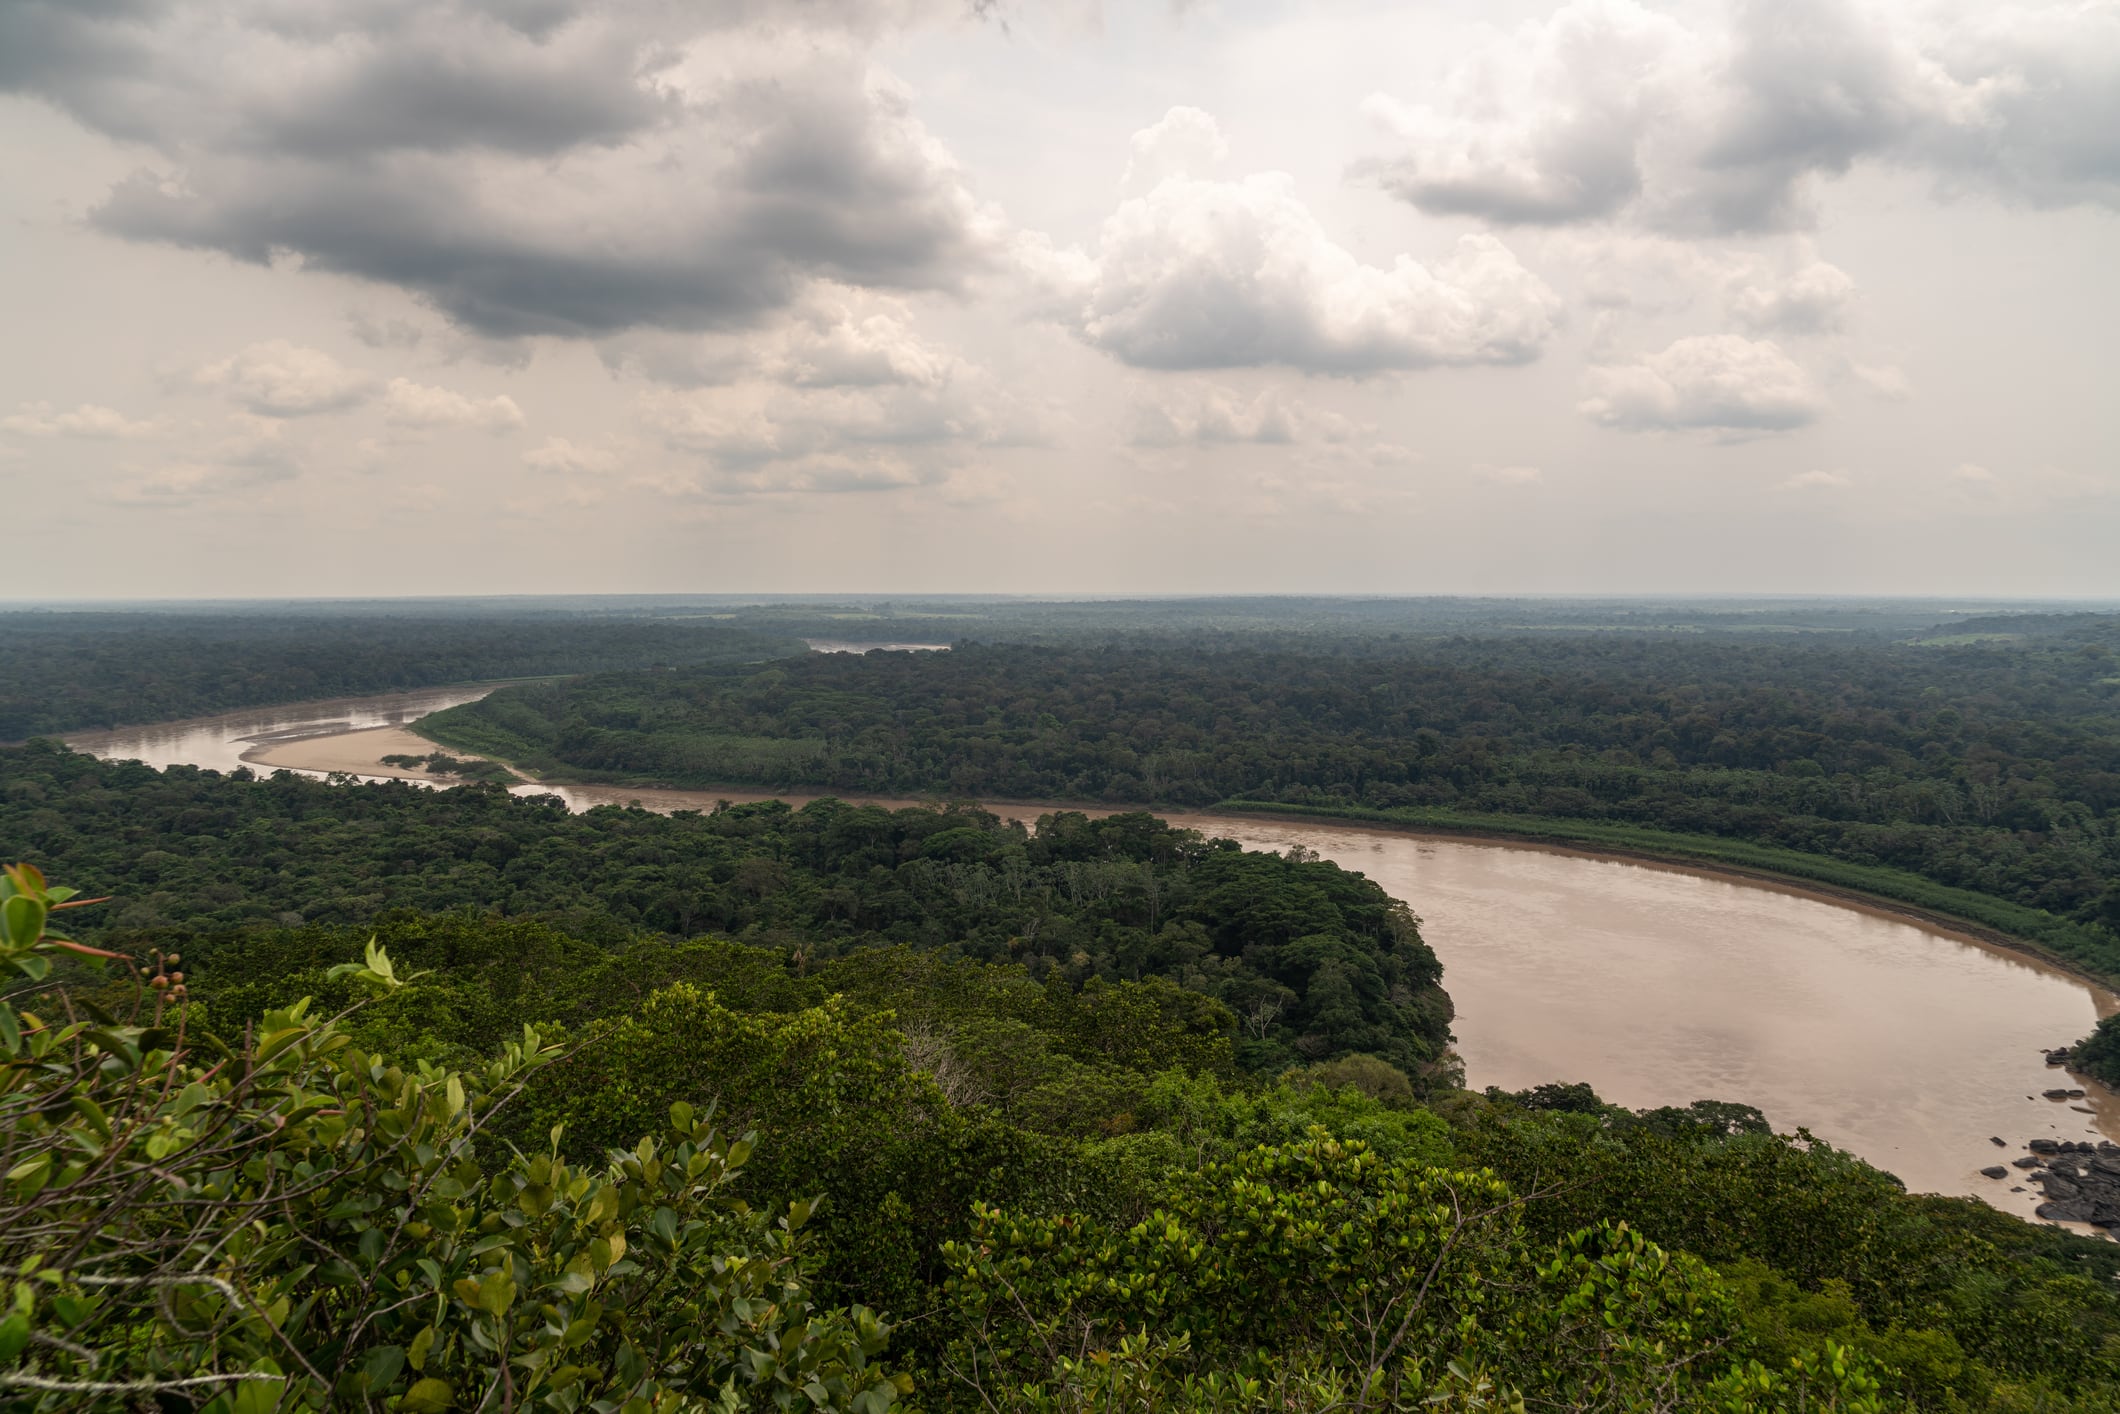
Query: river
[{"x": 1898, "y": 1041}]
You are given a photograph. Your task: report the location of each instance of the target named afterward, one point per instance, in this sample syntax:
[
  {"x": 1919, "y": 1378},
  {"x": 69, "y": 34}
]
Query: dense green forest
[
  {"x": 69, "y": 667},
  {"x": 560, "y": 1163},
  {"x": 1309, "y": 620},
  {"x": 1312, "y": 961},
  {"x": 78, "y": 669},
  {"x": 1990, "y": 768}
]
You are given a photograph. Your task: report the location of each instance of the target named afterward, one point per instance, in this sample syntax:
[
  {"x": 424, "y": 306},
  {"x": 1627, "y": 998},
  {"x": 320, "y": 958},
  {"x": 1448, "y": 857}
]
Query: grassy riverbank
[{"x": 1997, "y": 919}]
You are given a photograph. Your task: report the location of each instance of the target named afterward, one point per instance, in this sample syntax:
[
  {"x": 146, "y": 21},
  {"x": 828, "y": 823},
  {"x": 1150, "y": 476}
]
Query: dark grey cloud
[
  {"x": 525, "y": 168},
  {"x": 410, "y": 225},
  {"x": 482, "y": 85}
]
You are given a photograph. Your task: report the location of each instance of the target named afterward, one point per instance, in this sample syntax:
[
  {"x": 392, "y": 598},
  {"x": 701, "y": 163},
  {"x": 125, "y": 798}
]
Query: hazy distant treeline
[{"x": 68, "y": 671}]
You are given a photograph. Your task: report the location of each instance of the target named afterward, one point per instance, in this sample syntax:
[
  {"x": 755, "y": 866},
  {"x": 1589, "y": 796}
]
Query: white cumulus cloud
[
  {"x": 1726, "y": 117},
  {"x": 1816, "y": 299},
  {"x": 410, "y": 404},
  {"x": 1185, "y": 142},
  {"x": 561, "y": 456},
  {"x": 281, "y": 379},
  {"x": 1715, "y": 382},
  {"x": 1198, "y": 274},
  {"x": 89, "y": 420},
  {"x": 845, "y": 406}
]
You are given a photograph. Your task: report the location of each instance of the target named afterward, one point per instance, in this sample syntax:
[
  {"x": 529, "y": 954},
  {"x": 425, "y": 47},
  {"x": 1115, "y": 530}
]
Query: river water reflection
[{"x": 1897, "y": 1041}]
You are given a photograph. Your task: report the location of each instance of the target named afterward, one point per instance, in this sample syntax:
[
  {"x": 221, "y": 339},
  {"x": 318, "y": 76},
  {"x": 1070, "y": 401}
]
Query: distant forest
[
  {"x": 79, "y": 670},
  {"x": 1988, "y": 763}
]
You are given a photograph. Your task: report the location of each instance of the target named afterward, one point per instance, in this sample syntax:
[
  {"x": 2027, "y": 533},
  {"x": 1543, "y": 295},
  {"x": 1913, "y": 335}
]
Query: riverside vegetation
[
  {"x": 914, "y": 1110},
  {"x": 1978, "y": 778}
]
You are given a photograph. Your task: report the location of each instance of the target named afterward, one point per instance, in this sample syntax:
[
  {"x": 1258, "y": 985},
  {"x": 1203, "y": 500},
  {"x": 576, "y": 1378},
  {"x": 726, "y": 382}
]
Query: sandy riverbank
[{"x": 358, "y": 753}]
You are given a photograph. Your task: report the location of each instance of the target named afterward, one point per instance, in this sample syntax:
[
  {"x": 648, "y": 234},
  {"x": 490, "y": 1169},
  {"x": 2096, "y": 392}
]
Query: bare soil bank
[{"x": 357, "y": 753}]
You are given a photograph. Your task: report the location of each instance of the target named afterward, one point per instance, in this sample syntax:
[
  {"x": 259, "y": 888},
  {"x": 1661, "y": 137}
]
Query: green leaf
[
  {"x": 14, "y": 1336},
  {"x": 92, "y": 1112},
  {"x": 496, "y": 1293},
  {"x": 428, "y": 1396},
  {"x": 258, "y": 1396},
  {"x": 382, "y": 1366},
  {"x": 21, "y": 920},
  {"x": 30, "y": 1176}
]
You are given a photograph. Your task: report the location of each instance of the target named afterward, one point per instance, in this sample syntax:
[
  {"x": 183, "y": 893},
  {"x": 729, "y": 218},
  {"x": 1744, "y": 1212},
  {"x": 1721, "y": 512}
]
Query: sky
[{"x": 353, "y": 297}]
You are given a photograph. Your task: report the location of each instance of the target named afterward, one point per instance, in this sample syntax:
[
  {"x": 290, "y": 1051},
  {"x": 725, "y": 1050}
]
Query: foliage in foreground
[
  {"x": 293, "y": 1223},
  {"x": 1057, "y": 1200},
  {"x": 301, "y": 1225},
  {"x": 1317, "y": 1276}
]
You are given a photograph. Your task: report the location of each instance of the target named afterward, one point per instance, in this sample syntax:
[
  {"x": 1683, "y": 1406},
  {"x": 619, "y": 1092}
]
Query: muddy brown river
[{"x": 1898, "y": 1041}]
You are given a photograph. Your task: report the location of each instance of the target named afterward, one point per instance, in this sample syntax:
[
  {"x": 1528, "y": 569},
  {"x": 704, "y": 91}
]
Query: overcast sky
[{"x": 438, "y": 296}]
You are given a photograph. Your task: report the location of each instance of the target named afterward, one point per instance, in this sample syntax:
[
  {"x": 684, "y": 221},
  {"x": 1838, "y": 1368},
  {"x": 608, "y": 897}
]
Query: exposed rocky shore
[{"x": 2081, "y": 1180}]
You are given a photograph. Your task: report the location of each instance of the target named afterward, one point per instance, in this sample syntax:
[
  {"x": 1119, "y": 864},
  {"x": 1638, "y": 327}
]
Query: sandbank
[{"x": 358, "y": 753}]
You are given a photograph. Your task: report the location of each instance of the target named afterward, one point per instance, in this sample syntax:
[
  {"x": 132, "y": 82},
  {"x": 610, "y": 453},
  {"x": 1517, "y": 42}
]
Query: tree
[{"x": 289, "y": 1222}]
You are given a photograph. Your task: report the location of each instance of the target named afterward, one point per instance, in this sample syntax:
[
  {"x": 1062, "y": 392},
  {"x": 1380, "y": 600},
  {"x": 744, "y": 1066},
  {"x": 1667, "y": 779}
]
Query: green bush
[{"x": 294, "y": 1223}]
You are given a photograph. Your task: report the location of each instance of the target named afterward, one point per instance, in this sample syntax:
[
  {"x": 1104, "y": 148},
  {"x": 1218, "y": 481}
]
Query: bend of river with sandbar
[{"x": 1897, "y": 1040}]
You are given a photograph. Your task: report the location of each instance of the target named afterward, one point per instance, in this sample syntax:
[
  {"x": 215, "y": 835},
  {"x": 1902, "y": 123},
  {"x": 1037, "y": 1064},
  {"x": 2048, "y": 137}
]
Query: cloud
[
  {"x": 1208, "y": 414},
  {"x": 256, "y": 452},
  {"x": 551, "y": 168},
  {"x": 841, "y": 403},
  {"x": 280, "y": 379},
  {"x": 1971, "y": 486},
  {"x": 1276, "y": 496},
  {"x": 1816, "y": 480},
  {"x": 1539, "y": 127},
  {"x": 1817, "y": 299},
  {"x": 1724, "y": 118},
  {"x": 410, "y": 404},
  {"x": 1886, "y": 380},
  {"x": 89, "y": 420},
  {"x": 183, "y": 483},
  {"x": 1200, "y": 274},
  {"x": 1515, "y": 475},
  {"x": 836, "y": 337},
  {"x": 1185, "y": 142},
  {"x": 833, "y": 346},
  {"x": 1717, "y": 382},
  {"x": 559, "y": 456},
  {"x": 380, "y": 332}
]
